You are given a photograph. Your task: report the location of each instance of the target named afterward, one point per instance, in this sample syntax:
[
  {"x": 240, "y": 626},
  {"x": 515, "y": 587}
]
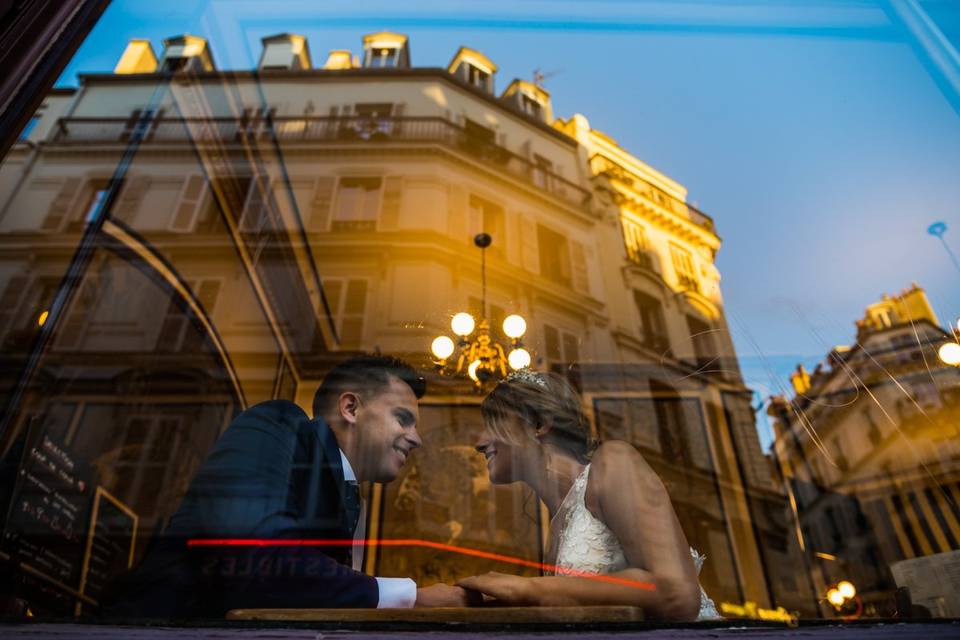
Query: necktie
[{"x": 353, "y": 507}]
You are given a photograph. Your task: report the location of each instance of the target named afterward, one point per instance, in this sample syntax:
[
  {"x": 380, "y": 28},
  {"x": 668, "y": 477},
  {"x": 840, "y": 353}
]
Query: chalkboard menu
[
  {"x": 110, "y": 543},
  {"x": 68, "y": 539},
  {"x": 49, "y": 510}
]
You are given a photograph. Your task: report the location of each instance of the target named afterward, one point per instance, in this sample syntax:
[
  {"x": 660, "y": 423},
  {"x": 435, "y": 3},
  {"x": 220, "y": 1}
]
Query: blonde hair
[{"x": 539, "y": 399}]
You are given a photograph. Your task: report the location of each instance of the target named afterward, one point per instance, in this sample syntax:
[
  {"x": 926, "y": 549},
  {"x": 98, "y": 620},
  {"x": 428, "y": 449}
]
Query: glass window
[{"x": 256, "y": 354}]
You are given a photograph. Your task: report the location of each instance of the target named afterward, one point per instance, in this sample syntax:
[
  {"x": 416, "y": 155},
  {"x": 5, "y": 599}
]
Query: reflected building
[
  {"x": 181, "y": 242},
  {"x": 868, "y": 446}
]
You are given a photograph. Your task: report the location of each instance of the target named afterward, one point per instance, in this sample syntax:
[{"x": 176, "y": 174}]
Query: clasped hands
[{"x": 491, "y": 588}]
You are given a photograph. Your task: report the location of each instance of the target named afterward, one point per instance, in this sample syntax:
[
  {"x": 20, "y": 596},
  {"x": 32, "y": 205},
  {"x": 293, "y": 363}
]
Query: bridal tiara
[{"x": 527, "y": 375}]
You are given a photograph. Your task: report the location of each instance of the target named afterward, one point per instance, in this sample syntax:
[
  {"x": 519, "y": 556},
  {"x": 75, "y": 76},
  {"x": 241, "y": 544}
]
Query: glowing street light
[
  {"x": 846, "y": 589},
  {"x": 949, "y": 353},
  {"x": 835, "y": 598}
]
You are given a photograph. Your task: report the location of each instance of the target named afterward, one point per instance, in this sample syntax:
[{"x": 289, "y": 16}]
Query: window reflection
[{"x": 182, "y": 242}]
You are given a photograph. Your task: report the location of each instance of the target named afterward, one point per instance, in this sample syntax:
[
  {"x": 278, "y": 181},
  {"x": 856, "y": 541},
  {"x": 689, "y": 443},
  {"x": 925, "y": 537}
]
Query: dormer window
[
  {"x": 474, "y": 68},
  {"x": 386, "y": 57},
  {"x": 477, "y": 77},
  {"x": 530, "y": 106},
  {"x": 386, "y": 51},
  {"x": 530, "y": 99}
]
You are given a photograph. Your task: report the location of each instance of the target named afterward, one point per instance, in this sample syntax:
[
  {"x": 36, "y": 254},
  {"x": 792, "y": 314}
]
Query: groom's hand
[
  {"x": 443, "y": 595},
  {"x": 504, "y": 588}
]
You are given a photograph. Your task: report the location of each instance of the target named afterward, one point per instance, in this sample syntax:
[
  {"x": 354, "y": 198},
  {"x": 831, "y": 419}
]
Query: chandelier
[{"x": 478, "y": 355}]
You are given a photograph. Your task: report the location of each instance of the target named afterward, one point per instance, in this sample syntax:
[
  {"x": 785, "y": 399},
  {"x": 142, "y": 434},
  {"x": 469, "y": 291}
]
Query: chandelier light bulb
[
  {"x": 462, "y": 324},
  {"x": 949, "y": 353},
  {"x": 519, "y": 359},
  {"x": 835, "y": 598},
  {"x": 514, "y": 326},
  {"x": 846, "y": 589},
  {"x": 472, "y": 370},
  {"x": 442, "y": 347}
]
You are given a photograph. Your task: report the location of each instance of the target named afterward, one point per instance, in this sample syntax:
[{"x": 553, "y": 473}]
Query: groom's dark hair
[{"x": 364, "y": 373}]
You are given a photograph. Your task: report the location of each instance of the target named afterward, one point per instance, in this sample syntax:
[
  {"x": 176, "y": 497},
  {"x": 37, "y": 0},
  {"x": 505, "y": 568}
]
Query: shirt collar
[{"x": 348, "y": 473}]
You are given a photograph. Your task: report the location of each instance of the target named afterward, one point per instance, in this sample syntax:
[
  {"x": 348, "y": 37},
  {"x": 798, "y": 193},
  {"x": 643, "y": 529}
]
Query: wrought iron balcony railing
[{"x": 327, "y": 129}]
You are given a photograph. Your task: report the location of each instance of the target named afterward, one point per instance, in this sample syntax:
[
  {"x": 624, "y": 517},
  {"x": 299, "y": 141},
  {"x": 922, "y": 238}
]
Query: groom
[{"x": 275, "y": 476}]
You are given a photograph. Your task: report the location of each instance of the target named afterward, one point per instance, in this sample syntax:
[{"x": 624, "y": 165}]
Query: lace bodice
[{"x": 585, "y": 543}]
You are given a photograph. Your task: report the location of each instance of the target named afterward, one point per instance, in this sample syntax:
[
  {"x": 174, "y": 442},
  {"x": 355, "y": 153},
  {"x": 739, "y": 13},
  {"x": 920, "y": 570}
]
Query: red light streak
[{"x": 487, "y": 555}]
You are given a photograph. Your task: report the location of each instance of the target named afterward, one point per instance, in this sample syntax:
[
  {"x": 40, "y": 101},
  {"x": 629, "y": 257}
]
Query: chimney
[
  {"x": 138, "y": 57},
  {"x": 341, "y": 59},
  {"x": 800, "y": 380},
  {"x": 285, "y": 51},
  {"x": 186, "y": 53}
]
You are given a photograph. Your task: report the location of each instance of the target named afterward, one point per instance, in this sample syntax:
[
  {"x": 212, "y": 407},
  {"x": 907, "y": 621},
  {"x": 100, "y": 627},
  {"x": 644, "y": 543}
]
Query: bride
[{"x": 614, "y": 537}]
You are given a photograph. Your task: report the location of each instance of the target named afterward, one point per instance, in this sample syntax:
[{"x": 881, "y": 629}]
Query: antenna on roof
[{"x": 539, "y": 76}]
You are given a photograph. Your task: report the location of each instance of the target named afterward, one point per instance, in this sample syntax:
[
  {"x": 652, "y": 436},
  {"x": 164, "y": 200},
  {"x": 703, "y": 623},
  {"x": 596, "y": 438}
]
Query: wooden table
[{"x": 464, "y": 615}]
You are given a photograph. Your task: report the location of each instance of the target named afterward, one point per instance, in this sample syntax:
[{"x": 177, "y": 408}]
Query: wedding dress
[{"x": 586, "y": 544}]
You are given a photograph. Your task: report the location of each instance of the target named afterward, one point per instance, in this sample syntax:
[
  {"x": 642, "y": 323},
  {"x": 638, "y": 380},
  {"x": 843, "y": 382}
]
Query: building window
[
  {"x": 653, "y": 331},
  {"x": 531, "y": 107},
  {"x": 635, "y": 239},
  {"x": 254, "y": 217},
  {"x": 358, "y": 204},
  {"x": 192, "y": 198},
  {"x": 478, "y": 77},
  {"x": 347, "y": 299},
  {"x": 701, "y": 335},
  {"x": 560, "y": 346},
  {"x": 542, "y": 172},
  {"x": 479, "y": 141},
  {"x": 175, "y": 334},
  {"x": 373, "y": 120},
  {"x": 487, "y": 217},
  {"x": 554, "y": 255},
  {"x": 683, "y": 266},
  {"x": 383, "y": 57}
]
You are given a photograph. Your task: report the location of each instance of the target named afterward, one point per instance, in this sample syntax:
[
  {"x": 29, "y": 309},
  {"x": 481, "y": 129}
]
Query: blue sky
[{"x": 811, "y": 131}]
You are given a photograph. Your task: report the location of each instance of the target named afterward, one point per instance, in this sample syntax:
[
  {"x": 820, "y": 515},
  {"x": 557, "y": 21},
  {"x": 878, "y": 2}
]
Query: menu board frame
[{"x": 99, "y": 495}]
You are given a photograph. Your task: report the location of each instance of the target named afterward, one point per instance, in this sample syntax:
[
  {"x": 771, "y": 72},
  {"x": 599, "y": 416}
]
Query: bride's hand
[{"x": 505, "y": 588}]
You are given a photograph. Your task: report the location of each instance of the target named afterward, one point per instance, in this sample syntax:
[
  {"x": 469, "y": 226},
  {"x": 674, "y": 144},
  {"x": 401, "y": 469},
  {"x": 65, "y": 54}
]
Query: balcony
[{"x": 358, "y": 130}]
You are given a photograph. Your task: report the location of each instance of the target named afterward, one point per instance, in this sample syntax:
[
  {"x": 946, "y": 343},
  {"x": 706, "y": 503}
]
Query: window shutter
[
  {"x": 351, "y": 327},
  {"x": 61, "y": 205},
  {"x": 320, "y": 206},
  {"x": 458, "y": 212},
  {"x": 185, "y": 216},
  {"x": 571, "y": 348},
  {"x": 528, "y": 244},
  {"x": 134, "y": 190},
  {"x": 392, "y": 194},
  {"x": 475, "y": 219},
  {"x": 551, "y": 340},
  {"x": 10, "y": 300},
  {"x": 398, "y": 110},
  {"x": 581, "y": 279}
]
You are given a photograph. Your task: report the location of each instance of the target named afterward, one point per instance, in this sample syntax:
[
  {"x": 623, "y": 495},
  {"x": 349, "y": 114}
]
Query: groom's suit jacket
[{"x": 274, "y": 474}]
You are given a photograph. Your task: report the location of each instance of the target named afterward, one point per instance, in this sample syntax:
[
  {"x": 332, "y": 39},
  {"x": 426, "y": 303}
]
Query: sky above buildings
[{"x": 812, "y": 131}]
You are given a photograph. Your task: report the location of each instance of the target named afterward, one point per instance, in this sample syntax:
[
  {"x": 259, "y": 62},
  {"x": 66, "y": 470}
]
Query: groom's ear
[{"x": 348, "y": 404}]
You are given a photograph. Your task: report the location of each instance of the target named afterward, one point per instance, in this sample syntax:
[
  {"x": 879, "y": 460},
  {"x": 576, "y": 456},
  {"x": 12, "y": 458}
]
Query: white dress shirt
[{"x": 394, "y": 593}]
